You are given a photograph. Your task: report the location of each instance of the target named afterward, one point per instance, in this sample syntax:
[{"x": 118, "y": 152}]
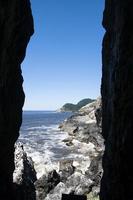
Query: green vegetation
[{"x": 76, "y": 107}]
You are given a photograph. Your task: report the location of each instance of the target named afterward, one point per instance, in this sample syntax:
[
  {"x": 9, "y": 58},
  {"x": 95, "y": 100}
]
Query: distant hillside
[{"x": 76, "y": 107}]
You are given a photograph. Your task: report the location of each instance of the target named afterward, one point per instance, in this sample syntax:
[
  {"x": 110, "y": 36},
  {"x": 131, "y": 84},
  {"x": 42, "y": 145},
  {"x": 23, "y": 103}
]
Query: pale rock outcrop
[
  {"x": 24, "y": 175},
  {"x": 79, "y": 175},
  {"x": 85, "y": 125}
]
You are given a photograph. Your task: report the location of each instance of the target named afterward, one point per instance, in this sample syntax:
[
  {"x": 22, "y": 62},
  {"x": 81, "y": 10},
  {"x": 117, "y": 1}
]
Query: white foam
[
  {"x": 42, "y": 161},
  {"x": 38, "y": 127},
  {"x": 42, "y": 141}
]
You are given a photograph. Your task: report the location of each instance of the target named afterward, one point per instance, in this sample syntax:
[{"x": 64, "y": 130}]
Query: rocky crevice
[
  {"x": 117, "y": 95},
  {"x": 16, "y": 27}
]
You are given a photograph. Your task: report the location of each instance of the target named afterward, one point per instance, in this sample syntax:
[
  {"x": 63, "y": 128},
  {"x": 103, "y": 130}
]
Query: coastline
[{"x": 81, "y": 171}]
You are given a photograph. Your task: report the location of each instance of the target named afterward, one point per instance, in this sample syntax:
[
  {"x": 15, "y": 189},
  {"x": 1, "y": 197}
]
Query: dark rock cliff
[
  {"x": 117, "y": 100},
  {"x": 16, "y": 27}
]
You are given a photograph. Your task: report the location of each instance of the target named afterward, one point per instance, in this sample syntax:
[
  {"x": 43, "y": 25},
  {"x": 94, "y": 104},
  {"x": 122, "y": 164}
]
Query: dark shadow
[
  {"x": 73, "y": 197},
  {"x": 23, "y": 192}
]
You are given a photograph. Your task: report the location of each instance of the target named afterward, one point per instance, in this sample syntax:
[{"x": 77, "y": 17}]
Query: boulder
[
  {"x": 66, "y": 169},
  {"x": 46, "y": 183},
  {"x": 76, "y": 184},
  {"x": 56, "y": 194}
]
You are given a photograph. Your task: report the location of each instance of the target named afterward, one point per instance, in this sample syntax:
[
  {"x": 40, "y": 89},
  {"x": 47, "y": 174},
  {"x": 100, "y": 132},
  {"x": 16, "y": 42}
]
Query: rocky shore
[{"x": 80, "y": 175}]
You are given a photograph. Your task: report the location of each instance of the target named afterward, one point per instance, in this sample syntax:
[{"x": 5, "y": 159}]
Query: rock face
[
  {"x": 16, "y": 27},
  {"x": 46, "y": 183},
  {"x": 24, "y": 175},
  {"x": 117, "y": 95},
  {"x": 81, "y": 175},
  {"x": 85, "y": 125}
]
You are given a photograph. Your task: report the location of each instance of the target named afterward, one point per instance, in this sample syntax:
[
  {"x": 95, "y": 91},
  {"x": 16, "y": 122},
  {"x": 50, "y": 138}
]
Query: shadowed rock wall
[
  {"x": 16, "y": 27},
  {"x": 117, "y": 99}
]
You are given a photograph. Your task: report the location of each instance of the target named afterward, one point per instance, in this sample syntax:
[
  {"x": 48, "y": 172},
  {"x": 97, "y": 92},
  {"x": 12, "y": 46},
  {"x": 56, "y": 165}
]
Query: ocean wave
[
  {"x": 42, "y": 140},
  {"x": 43, "y": 127}
]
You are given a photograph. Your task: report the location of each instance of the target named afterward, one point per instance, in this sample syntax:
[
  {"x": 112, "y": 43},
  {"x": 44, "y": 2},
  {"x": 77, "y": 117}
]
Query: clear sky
[{"x": 63, "y": 61}]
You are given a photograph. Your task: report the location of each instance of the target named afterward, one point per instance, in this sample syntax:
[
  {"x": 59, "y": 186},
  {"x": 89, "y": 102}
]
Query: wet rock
[
  {"x": 69, "y": 139},
  {"x": 69, "y": 143}
]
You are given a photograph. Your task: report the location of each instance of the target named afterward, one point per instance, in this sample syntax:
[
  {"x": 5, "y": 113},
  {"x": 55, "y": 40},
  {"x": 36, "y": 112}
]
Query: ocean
[{"x": 42, "y": 138}]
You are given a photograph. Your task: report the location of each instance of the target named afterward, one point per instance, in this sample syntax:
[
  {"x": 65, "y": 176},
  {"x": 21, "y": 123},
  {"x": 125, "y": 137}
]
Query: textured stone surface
[
  {"x": 77, "y": 183},
  {"x": 24, "y": 175},
  {"x": 46, "y": 183},
  {"x": 85, "y": 125},
  {"x": 16, "y": 27},
  {"x": 81, "y": 174},
  {"x": 117, "y": 100}
]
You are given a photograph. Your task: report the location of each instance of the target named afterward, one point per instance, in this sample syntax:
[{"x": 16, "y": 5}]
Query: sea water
[{"x": 42, "y": 139}]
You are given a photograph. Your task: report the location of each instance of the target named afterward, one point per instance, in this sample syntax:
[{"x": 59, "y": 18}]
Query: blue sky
[{"x": 63, "y": 61}]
